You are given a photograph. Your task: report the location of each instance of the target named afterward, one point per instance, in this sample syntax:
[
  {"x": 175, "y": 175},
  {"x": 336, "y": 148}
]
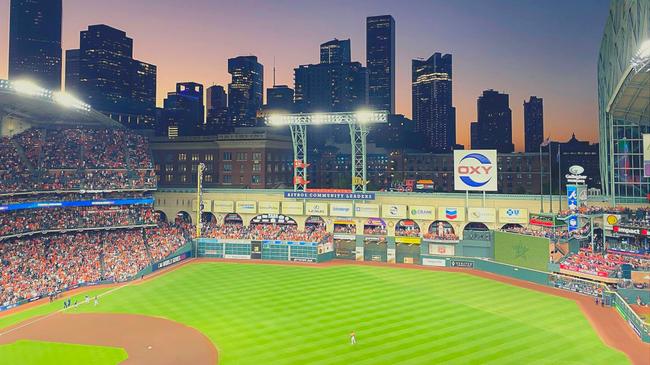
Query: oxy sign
[{"x": 475, "y": 170}]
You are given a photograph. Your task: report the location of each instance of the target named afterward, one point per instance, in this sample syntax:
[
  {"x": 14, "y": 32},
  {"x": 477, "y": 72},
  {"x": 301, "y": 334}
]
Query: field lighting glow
[
  {"x": 67, "y": 100},
  {"x": 28, "y": 87},
  {"x": 361, "y": 116}
]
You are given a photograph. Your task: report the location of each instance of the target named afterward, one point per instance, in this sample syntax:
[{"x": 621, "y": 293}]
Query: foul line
[
  {"x": 59, "y": 311},
  {"x": 153, "y": 275}
]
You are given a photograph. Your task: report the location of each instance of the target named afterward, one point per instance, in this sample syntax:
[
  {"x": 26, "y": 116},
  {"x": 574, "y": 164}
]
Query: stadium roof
[
  {"x": 43, "y": 108},
  {"x": 631, "y": 100}
]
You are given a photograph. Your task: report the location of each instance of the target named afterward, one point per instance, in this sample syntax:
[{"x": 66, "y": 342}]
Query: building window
[
  {"x": 257, "y": 156},
  {"x": 182, "y": 168},
  {"x": 169, "y": 167},
  {"x": 255, "y": 179},
  {"x": 209, "y": 157},
  {"x": 242, "y": 168},
  {"x": 208, "y": 167},
  {"x": 227, "y": 167},
  {"x": 182, "y": 157},
  {"x": 227, "y": 156},
  {"x": 241, "y": 179},
  {"x": 242, "y": 156},
  {"x": 257, "y": 167},
  {"x": 195, "y": 167},
  {"x": 169, "y": 177},
  {"x": 183, "y": 178},
  {"x": 195, "y": 157},
  {"x": 207, "y": 178},
  {"x": 227, "y": 179}
]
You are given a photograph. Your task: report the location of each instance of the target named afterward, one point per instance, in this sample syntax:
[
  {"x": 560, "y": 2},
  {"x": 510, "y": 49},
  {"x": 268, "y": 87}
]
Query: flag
[{"x": 546, "y": 142}]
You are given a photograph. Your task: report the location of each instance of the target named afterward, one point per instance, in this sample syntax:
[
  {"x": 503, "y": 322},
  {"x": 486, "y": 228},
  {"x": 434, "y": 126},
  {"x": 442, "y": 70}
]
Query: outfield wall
[
  {"x": 243, "y": 249},
  {"x": 522, "y": 250}
]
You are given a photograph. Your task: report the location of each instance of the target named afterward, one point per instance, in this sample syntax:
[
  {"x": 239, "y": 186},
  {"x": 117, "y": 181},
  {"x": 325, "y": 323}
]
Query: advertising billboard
[
  {"x": 222, "y": 206},
  {"x": 393, "y": 211},
  {"x": 422, "y": 212},
  {"x": 366, "y": 210},
  {"x": 246, "y": 206},
  {"x": 268, "y": 207},
  {"x": 513, "y": 215},
  {"x": 451, "y": 214},
  {"x": 294, "y": 208},
  {"x": 341, "y": 209},
  {"x": 484, "y": 215},
  {"x": 475, "y": 170},
  {"x": 572, "y": 196},
  {"x": 316, "y": 208}
]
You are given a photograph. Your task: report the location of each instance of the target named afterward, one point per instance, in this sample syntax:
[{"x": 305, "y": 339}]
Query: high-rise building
[
  {"x": 493, "y": 128},
  {"x": 245, "y": 92},
  {"x": 533, "y": 123},
  {"x": 330, "y": 87},
  {"x": 72, "y": 71},
  {"x": 35, "y": 41},
  {"x": 380, "y": 61},
  {"x": 279, "y": 97},
  {"x": 104, "y": 74},
  {"x": 217, "y": 120},
  {"x": 335, "y": 51},
  {"x": 183, "y": 111},
  {"x": 433, "y": 113}
]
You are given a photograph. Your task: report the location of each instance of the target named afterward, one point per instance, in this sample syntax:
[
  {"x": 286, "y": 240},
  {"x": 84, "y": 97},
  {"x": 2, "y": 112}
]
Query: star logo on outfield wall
[{"x": 520, "y": 252}]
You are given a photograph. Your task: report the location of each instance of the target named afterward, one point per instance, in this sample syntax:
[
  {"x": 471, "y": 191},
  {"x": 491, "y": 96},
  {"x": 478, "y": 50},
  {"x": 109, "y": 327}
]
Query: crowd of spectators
[
  {"x": 266, "y": 231},
  {"x": 48, "y": 219},
  {"x": 345, "y": 228},
  {"x": 605, "y": 265},
  {"x": 370, "y": 230},
  {"x": 43, "y": 265},
  {"x": 435, "y": 236},
  {"x": 75, "y": 159},
  {"x": 407, "y": 231}
]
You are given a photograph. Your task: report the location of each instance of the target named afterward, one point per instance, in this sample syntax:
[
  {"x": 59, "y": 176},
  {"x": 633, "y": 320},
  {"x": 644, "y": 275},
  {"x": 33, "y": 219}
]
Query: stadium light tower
[{"x": 358, "y": 122}]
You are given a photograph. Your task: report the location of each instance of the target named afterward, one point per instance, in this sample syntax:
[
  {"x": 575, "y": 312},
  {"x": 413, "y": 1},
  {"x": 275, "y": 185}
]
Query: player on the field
[{"x": 353, "y": 338}]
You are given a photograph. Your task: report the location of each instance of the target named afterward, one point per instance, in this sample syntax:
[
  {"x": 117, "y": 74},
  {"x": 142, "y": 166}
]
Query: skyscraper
[
  {"x": 533, "y": 123},
  {"x": 335, "y": 51},
  {"x": 380, "y": 60},
  {"x": 217, "y": 120},
  {"x": 245, "y": 90},
  {"x": 330, "y": 87},
  {"x": 433, "y": 113},
  {"x": 493, "y": 130},
  {"x": 35, "y": 41},
  {"x": 103, "y": 73},
  {"x": 183, "y": 110},
  {"x": 279, "y": 97}
]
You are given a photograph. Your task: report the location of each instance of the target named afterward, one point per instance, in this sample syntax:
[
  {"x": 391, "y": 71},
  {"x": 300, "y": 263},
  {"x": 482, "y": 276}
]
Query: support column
[
  {"x": 299, "y": 138},
  {"x": 358, "y": 136}
]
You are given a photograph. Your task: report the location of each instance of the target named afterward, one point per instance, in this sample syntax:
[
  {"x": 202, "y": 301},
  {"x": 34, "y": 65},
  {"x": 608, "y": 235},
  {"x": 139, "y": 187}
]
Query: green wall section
[{"x": 521, "y": 250}]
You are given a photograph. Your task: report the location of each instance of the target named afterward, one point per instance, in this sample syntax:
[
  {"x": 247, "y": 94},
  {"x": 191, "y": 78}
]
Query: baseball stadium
[{"x": 100, "y": 265}]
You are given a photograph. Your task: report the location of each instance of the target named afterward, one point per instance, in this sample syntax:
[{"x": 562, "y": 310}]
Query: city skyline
[{"x": 521, "y": 49}]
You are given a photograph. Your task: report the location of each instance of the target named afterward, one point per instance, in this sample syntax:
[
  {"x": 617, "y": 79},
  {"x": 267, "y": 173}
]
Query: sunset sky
[{"x": 522, "y": 47}]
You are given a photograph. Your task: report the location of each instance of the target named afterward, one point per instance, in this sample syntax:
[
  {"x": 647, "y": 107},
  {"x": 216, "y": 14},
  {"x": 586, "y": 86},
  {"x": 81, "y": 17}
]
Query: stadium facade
[{"x": 624, "y": 100}]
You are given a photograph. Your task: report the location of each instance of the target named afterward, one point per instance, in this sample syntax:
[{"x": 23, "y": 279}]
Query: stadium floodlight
[
  {"x": 28, "y": 87},
  {"x": 362, "y": 116},
  {"x": 66, "y": 100}
]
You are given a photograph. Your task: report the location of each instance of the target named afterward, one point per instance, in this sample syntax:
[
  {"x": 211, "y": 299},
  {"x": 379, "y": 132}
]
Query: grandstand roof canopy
[{"x": 40, "y": 111}]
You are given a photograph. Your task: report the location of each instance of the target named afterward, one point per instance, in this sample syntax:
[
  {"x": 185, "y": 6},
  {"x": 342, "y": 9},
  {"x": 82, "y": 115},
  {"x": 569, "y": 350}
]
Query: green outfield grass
[
  {"x": 37, "y": 352},
  {"x": 266, "y": 314}
]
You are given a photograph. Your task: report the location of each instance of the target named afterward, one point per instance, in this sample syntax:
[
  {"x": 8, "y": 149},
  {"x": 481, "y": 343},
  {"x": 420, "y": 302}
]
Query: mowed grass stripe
[{"x": 302, "y": 315}]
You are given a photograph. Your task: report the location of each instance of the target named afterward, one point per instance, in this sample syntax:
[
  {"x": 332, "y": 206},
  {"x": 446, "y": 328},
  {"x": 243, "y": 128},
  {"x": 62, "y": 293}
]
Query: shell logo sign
[{"x": 475, "y": 170}]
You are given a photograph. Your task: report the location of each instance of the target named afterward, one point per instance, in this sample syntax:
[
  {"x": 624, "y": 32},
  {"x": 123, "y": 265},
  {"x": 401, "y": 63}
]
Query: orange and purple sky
[{"x": 521, "y": 47}]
